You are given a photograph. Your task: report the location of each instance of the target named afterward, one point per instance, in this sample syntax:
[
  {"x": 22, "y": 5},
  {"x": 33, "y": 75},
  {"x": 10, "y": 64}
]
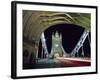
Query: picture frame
[{"x": 30, "y": 21}]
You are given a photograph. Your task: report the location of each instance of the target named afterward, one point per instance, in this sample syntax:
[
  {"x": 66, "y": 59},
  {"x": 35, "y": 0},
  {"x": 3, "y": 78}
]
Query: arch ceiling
[{"x": 35, "y": 22}]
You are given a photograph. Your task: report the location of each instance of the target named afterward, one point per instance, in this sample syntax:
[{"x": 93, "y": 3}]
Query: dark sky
[{"x": 70, "y": 36}]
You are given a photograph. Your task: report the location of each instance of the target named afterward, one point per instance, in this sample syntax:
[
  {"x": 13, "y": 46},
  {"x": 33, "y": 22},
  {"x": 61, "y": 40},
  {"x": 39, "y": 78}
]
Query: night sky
[{"x": 70, "y": 36}]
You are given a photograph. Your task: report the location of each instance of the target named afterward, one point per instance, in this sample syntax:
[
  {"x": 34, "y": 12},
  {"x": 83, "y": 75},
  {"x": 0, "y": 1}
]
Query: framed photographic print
[{"x": 53, "y": 39}]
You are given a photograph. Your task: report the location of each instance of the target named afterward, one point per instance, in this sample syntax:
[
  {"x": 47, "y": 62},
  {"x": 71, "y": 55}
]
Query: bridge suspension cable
[
  {"x": 80, "y": 43},
  {"x": 44, "y": 46}
]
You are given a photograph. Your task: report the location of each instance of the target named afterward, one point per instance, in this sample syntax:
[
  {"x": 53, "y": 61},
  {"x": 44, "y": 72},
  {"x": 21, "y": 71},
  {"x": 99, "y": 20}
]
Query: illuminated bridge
[{"x": 74, "y": 48}]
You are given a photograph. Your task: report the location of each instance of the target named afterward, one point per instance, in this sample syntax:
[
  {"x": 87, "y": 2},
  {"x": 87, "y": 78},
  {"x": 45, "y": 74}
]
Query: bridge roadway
[
  {"x": 61, "y": 62},
  {"x": 73, "y": 62}
]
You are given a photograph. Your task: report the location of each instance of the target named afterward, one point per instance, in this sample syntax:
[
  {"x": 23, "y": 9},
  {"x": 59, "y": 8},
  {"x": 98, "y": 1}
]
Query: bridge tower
[{"x": 57, "y": 48}]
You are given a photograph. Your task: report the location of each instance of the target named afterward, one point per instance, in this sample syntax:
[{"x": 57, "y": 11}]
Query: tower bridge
[
  {"x": 58, "y": 48},
  {"x": 34, "y": 25}
]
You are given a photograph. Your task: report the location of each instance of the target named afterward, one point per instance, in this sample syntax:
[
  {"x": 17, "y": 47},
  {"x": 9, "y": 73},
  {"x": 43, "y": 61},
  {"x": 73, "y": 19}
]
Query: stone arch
[
  {"x": 38, "y": 21},
  {"x": 35, "y": 22}
]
